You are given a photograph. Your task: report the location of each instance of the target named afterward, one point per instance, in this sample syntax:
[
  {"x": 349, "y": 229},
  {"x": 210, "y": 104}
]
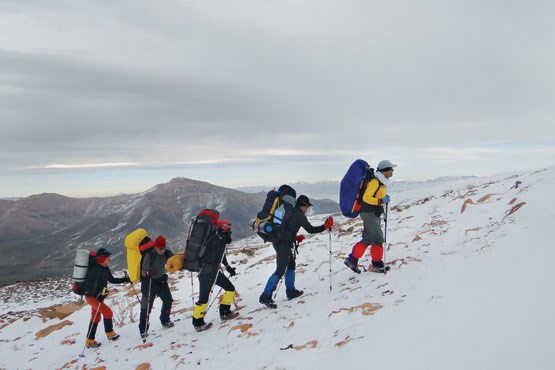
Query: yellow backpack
[{"x": 136, "y": 243}]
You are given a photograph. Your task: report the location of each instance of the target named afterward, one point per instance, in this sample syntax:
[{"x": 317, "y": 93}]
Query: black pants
[
  {"x": 285, "y": 265},
  {"x": 206, "y": 282},
  {"x": 150, "y": 289},
  {"x": 285, "y": 260}
]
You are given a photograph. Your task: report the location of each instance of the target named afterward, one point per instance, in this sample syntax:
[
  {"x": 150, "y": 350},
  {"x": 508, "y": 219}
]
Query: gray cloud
[{"x": 160, "y": 83}]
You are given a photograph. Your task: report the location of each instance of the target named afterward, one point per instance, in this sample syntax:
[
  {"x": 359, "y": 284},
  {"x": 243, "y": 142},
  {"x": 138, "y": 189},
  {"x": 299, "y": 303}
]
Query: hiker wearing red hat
[
  {"x": 210, "y": 275},
  {"x": 154, "y": 283},
  {"x": 96, "y": 283}
]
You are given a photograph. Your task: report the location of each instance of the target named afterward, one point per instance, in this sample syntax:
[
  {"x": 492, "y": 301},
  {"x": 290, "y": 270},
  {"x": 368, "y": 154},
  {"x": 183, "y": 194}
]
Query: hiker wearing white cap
[{"x": 373, "y": 199}]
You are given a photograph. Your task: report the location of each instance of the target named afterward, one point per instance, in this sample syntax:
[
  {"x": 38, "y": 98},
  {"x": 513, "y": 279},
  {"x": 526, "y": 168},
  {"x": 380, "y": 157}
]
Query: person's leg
[
  {"x": 167, "y": 300},
  {"x": 227, "y": 298},
  {"x": 148, "y": 294},
  {"x": 206, "y": 280},
  {"x": 93, "y": 323},
  {"x": 290, "y": 289}
]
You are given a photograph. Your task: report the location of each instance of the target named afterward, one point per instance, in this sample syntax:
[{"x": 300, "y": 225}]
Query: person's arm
[
  {"x": 228, "y": 268},
  {"x": 145, "y": 265},
  {"x": 308, "y": 226},
  {"x": 115, "y": 280}
]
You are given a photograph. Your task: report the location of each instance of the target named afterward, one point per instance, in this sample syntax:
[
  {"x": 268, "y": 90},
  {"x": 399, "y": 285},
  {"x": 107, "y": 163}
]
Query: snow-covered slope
[{"x": 470, "y": 287}]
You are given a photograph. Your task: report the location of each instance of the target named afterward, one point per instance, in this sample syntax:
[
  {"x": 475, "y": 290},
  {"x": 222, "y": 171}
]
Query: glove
[
  {"x": 299, "y": 238},
  {"x": 231, "y": 270},
  {"x": 329, "y": 223},
  {"x": 226, "y": 237},
  {"x": 386, "y": 199},
  {"x": 100, "y": 297},
  {"x": 148, "y": 274}
]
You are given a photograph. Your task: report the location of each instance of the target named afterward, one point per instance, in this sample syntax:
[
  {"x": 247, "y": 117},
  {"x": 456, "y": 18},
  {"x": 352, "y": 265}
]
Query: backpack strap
[
  {"x": 275, "y": 205},
  {"x": 152, "y": 254},
  {"x": 368, "y": 176}
]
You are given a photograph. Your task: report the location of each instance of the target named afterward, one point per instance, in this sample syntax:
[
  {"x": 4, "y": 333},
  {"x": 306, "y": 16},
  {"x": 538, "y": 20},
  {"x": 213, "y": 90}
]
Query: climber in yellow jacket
[{"x": 373, "y": 199}]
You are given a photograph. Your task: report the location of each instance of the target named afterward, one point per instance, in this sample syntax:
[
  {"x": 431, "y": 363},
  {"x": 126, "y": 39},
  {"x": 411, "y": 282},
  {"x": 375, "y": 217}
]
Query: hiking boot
[
  {"x": 352, "y": 263},
  {"x": 202, "y": 327},
  {"x": 91, "y": 343},
  {"x": 293, "y": 293},
  {"x": 229, "y": 315},
  {"x": 267, "y": 301},
  {"x": 379, "y": 267},
  {"x": 380, "y": 270},
  {"x": 112, "y": 335},
  {"x": 168, "y": 324}
]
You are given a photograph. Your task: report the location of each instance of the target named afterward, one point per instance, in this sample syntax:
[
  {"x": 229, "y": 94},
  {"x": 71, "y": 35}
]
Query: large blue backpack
[{"x": 353, "y": 186}]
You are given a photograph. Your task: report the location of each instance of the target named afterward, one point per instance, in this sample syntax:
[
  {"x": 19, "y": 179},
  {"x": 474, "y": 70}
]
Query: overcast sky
[{"x": 105, "y": 97}]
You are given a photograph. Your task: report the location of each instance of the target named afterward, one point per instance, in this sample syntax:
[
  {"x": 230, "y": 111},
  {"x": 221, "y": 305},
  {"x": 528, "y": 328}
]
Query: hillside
[{"x": 470, "y": 287}]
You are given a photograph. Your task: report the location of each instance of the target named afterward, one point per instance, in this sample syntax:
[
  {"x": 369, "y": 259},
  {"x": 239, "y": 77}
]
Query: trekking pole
[
  {"x": 135, "y": 291},
  {"x": 147, "y": 311},
  {"x": 277, "y": 289},
  {"x": 211, "y": 290},
  {"x": 294, "y": 255},
  {"x": 218, "y": 272},
  {"x": 214, "y": 299},
  {"x": 133, "y": 287},
  {"x": 91, "y": 326},
  {"x": 235, "y": 300},
  {"x": 385, "y": 231},
  {"x": 118, "y": 320},
  {"x": 330, "y": 255},
  {"x": 192, "y": 290}
]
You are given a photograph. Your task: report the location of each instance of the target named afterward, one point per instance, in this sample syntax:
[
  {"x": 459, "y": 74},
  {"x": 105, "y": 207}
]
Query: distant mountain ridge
[
  {"x": 40, "y": 233},
  {"x": 330, "y": 189}
]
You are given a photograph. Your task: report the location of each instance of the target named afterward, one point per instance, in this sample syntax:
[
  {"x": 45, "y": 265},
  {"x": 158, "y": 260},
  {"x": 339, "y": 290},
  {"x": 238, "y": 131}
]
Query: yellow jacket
[{"x": 374, "y": 193}]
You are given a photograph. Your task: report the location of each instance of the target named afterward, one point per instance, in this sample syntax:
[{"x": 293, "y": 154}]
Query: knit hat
[
  {"x": 385, "y": 165},
  {"x": 303, "y": 200},
  {"x": 224, "y": 226},
  {"x": 160, "y": 242},
  {"x": 102, "y": 255}
]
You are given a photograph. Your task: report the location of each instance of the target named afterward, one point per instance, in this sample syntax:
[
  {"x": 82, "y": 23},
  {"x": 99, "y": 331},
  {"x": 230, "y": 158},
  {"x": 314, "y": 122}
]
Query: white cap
[{"x": 385, "y": 164}]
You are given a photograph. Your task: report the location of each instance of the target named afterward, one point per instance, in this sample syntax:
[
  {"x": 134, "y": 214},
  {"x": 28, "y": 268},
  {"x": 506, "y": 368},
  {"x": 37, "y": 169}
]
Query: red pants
[
  {"x": 103, "y": 310},
  {"x": 376, "y": 251}
]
